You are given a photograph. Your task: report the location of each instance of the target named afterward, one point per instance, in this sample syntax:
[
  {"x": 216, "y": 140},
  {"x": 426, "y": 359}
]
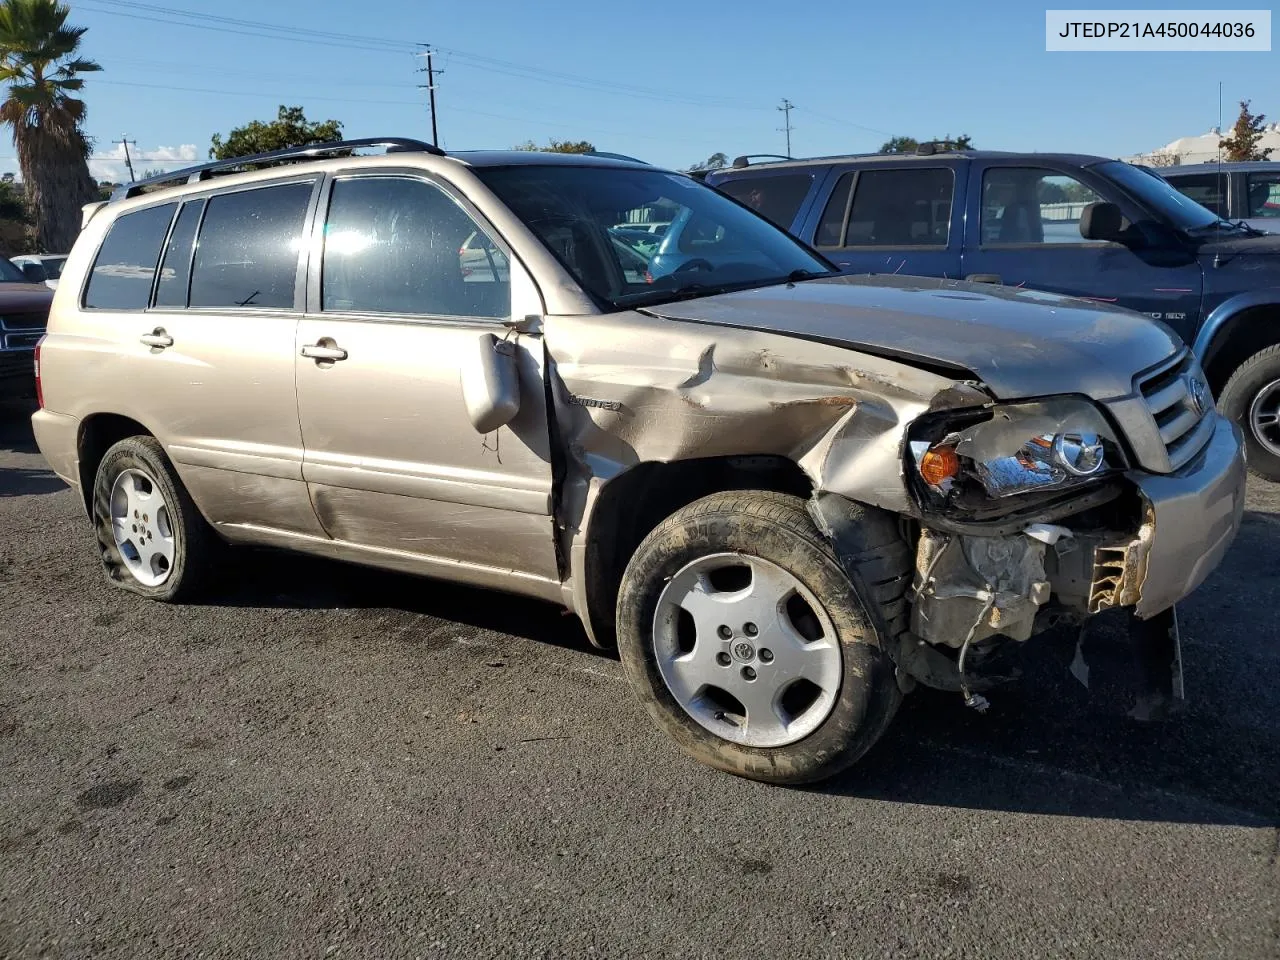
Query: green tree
[
  {"x": 290, "y": 129},
  {"x": 153, "y": 172},
  {"x": 717, "y": 161},
  {"x": 13, "y": 205},
  {"x": 559, "y": 146},
  {"x": 911, "y": 144},
  {"x": 1245, "y": 135},
  {"x": 900, "y": 145},
  {"x": 40, "y": 63}
]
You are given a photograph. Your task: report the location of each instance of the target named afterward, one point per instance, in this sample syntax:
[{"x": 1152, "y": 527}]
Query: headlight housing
[{"x": 1045, "y": 446}]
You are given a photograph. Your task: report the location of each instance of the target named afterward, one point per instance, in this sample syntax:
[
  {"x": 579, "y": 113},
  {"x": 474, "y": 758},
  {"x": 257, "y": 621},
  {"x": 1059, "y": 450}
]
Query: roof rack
[
  {"x": 311, "y": 151},
  {"x": 747, "y": 158}
]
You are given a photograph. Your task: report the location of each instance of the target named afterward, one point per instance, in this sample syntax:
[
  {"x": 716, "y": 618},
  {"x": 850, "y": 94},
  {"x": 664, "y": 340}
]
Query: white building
[{"x": 1201, "y": 149}]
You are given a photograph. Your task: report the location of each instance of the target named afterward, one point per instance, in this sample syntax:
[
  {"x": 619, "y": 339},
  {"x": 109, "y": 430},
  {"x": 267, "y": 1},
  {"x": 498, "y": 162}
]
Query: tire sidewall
[
  {"x": 135, "y": 455},
  {"x": 1238, "y": 397},
  {"x": 849, "y": 728}
]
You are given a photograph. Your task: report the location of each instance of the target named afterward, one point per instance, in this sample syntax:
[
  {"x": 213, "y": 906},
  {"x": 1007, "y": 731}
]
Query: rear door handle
[
  {"x": 157, "y": 338},
  {"x": 983, "y": 278},
  {"x": 324, "y": 351}
]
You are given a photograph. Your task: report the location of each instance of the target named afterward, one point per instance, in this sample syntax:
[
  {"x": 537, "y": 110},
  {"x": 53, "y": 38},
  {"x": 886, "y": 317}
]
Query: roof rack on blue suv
[{"x": 311, "y": 151}]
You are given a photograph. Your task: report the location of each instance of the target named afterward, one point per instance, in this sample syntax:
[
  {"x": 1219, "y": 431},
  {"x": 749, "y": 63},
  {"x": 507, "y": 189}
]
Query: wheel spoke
[
  {"x": 770, "y": 585},
  {"x": 709, "y": 608},
  {"x": 690, "y": 674},
  {"x": 764, "y": 719}
]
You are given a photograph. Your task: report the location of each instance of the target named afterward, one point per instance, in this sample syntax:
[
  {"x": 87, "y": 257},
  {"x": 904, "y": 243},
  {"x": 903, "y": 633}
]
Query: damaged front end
[{"x": 1028, "y": 516}]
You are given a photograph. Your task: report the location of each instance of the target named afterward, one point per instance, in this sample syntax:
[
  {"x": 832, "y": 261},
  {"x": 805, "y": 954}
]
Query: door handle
[
  {"x": 983, "y": 278},
  {"x": 324, "y": 351},
  {"x": 157, "y": 338}
]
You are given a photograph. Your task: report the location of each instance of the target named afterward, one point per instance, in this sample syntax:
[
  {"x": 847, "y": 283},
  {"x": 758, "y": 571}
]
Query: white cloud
[{"x": 110, "y": 165}]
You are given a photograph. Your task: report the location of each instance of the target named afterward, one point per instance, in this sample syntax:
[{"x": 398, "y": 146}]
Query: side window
[
  {"x": 175, "y": 270},
  {"x": 901, "y": 208},
  {"x": 403, "y": 246},
  {"x": 1207, "y": 189},
  {"x": 776, "y": 198},
  {"x": 1022, "y": 205},
  {"x": 126, "y": 264},
  {"x": 1264, "y": 195},
  {"x": 831, "y": 226},
  {"x": 249, "y": 245}
]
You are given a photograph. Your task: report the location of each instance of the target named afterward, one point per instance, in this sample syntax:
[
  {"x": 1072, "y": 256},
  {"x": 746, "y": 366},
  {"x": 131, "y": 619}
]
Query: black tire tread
[
  {"x": 1234, "y": 403},
  {"x": 884, "y": 557}
]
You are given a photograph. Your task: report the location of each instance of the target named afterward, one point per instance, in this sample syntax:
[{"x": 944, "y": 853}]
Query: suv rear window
[
  {"x": 891, "y": 208},
  {"x": 249, "y": 248},
  {"x": 776, "y": 198},
  {"x": 126, "y": 263}
]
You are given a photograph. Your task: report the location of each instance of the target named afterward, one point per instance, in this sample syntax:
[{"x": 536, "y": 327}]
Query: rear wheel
[
  {"x": 152, "y": 538},
  {"x": 1252, "y": 398},
  {"x": 748, "y": 644}
]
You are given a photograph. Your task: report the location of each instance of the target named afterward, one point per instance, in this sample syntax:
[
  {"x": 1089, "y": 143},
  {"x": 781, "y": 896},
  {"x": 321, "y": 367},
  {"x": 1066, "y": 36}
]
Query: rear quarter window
[
  {"x": 777, "y": 198},
  {"x": 126, "y": 263}
]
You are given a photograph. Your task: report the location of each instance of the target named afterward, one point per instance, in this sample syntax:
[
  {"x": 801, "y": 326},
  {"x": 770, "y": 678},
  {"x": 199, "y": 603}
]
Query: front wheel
[
  {"x": 749, "y": 645},
  {"x": 1252, "y": 399}
]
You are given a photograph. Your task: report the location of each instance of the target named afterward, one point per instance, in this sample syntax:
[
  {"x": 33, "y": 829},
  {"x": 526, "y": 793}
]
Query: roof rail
[
  {"x": 311, "y": 151},
  {"x": 614, "y": 156},
  {"x": 747, "y": 158}
]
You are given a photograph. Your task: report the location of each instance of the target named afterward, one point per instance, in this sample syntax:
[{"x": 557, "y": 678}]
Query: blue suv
[{"x": 1085, "y": 226}]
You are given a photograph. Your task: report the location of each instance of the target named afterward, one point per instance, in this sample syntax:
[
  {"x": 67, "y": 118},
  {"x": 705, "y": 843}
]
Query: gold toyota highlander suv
[{"x": 787, "y": 496}]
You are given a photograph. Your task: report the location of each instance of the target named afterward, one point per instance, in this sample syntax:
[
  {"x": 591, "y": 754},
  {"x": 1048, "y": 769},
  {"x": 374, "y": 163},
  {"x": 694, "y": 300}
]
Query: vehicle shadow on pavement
[
  {"x": 15, "y": 426},
  {"x": 303, "y": 582},
  {"x": 21, "y": 482}
]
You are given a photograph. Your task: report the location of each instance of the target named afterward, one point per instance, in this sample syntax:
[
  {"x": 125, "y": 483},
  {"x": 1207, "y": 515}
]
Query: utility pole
[
  {"x": 786, "y": 108},
  {"x": 430, "y": 85},
  {"x": 128, "y": 162}
]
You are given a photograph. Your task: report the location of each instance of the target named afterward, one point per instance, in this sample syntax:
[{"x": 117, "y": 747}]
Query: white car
[{"x": 50, "y": 263}]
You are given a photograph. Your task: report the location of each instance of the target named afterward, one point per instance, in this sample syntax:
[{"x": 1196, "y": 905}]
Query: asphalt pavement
[{"x": 327, "y": 761}]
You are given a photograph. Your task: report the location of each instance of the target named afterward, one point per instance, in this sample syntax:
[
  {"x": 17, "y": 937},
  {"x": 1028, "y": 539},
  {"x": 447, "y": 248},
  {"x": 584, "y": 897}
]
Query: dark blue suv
[{"x": 1085, "y": 226}]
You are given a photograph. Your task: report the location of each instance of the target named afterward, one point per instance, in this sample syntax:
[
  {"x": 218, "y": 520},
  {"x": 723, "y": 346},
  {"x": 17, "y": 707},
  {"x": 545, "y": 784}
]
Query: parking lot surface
[{"x": 326, "y": 761}]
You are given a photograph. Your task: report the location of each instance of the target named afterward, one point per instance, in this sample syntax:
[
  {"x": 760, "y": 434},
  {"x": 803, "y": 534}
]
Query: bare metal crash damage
[{"x": 995, "y": 562}]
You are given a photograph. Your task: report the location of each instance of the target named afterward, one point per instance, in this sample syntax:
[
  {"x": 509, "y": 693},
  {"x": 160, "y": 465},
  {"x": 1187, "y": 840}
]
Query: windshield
[
  {"x": 1160, "y": 195},
  {"x": 10, "y": 273},
  {"x": 600, "y": 223}
]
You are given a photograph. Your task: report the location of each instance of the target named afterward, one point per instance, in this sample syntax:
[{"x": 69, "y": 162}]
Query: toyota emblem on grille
[{"x": 1199, "y": 395}]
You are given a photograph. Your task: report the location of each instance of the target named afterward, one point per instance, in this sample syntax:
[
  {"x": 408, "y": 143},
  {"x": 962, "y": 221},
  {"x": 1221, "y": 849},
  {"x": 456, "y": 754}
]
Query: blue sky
[{"x": 668, "y": 82}]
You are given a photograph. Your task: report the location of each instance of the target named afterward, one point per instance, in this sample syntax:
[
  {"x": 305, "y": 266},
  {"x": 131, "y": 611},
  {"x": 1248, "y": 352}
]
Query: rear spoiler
[{"x": 88, "y": 210}]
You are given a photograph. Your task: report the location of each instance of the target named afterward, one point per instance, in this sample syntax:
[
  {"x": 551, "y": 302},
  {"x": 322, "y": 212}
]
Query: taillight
[{"x": 39, "y": 389}]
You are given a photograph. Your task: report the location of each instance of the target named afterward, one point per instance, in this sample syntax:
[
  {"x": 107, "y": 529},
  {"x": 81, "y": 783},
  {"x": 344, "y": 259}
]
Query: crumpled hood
[{"x": 1021, "y": 343}]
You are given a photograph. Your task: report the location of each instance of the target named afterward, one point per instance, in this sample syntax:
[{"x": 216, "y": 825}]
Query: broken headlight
[{"x": 1022, "y": 448}]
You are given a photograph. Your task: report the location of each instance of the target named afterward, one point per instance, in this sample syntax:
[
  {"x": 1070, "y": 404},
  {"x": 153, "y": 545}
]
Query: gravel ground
[{"x": 333, "y": 762}]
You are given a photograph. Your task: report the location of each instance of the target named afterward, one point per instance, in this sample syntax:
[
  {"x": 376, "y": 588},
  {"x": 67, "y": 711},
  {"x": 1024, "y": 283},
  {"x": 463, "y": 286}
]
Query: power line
[
  {"x": 786, "y": 108},
  {"x": 263, "y": 30},
  {"x": 561, "y": 122}
]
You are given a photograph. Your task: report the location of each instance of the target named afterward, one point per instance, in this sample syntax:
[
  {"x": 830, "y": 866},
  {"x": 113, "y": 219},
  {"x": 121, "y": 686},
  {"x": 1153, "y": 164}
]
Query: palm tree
[{"x": 39, "y": 62}]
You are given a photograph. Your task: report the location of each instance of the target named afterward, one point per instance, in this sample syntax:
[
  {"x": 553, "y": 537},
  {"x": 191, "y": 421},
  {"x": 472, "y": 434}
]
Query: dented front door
[{"x": 390, "y": 457}]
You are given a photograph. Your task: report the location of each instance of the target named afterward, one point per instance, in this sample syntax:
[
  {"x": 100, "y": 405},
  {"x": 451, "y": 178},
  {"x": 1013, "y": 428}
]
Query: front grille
[
  {"x": 1171, "y": 394},
  {"x": 23, "y": 321}
]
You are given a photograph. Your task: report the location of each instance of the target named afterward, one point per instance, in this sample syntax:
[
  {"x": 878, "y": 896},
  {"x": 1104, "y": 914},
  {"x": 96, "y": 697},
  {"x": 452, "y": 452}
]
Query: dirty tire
[
  {"x": 1260, "y": 370},
  {"x": 197, "y": 549},
  {"x": 777, "y": 528}
]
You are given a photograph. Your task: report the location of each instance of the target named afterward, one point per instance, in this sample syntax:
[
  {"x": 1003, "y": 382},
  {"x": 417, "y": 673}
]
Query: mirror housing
[
  {"x": 491, "y": 384},
  {"x": 35, "y": 273},
  {"x": 1101, "y": 220}
]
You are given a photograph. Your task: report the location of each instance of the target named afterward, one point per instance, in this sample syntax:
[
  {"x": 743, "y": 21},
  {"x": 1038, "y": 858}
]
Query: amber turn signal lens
[{"x": 938, "y": 464}]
